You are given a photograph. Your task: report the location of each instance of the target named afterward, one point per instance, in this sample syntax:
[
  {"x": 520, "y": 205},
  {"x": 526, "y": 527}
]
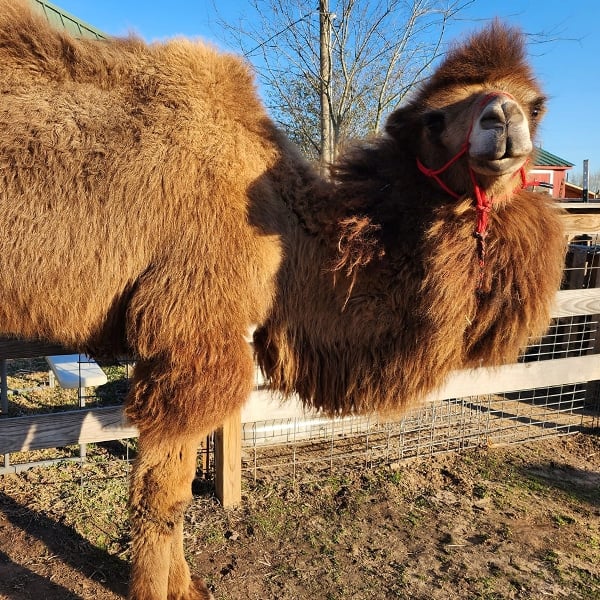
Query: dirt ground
[{"x": 495, "y": 523}]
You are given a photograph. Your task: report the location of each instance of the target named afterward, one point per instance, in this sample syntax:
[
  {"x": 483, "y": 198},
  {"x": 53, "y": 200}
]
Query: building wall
[{"x": 554, "y": 177}]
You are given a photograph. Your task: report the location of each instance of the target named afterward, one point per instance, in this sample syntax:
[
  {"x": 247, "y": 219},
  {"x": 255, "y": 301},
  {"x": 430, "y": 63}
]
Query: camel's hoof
[{"x": 199, "y": 591}]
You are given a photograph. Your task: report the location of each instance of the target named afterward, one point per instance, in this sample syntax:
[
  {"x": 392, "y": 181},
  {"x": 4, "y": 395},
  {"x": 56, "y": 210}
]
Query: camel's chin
[{"x": 496, "y": 168}]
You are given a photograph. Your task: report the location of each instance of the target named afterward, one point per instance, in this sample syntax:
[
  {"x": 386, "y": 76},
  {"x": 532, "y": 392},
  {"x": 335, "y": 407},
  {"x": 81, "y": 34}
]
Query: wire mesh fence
[{"x": 296, "y": 447}]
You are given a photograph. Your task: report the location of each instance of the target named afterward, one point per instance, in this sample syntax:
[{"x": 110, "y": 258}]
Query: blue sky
[{"x": 568, "y": 67}]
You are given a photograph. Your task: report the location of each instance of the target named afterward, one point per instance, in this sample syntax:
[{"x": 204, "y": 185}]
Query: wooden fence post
[{"x": 228, "y": 460}]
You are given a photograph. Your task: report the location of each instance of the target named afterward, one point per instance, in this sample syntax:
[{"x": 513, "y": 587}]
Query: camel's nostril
[
  {"x": 500, "y": 113},
  {"x": 493, "y": 117},
  {"x": 512, "y": 113},
  {"x": 492, "y": 122}
]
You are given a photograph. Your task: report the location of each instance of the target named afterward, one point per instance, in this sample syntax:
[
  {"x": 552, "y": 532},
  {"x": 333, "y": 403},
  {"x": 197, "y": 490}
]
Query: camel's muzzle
[{"x": 500, "y": 140}]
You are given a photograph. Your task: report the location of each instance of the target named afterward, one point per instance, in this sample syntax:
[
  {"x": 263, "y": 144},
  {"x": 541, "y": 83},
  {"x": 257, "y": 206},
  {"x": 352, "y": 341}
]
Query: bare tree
[
  {"x": 594, "y": 179},
  {"x": 379, "y": 49}
]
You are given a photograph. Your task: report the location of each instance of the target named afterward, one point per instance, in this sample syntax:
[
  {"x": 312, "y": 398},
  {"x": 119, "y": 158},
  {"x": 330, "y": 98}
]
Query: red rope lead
[
  {"x": 483, "y": 203},
  {"x": 483, "y": 208}
]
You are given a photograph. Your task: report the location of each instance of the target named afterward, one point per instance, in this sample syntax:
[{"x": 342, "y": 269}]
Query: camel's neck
[
  {"x": 380, "y": 292},
  {"x": 330, "y": 302}
]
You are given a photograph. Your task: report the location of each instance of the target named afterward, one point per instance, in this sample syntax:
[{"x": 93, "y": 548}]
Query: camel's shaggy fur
[
  {"x": 413, "y": 307},
  {"x": 149, "y": 205}
]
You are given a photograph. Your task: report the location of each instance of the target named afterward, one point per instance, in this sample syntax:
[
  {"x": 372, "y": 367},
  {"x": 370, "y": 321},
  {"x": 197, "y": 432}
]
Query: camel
[{"x": 150, "y": 206}]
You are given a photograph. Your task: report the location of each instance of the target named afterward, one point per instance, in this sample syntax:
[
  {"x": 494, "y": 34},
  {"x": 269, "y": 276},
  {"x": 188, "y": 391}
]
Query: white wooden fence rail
[{"x": 36, "y": 432}]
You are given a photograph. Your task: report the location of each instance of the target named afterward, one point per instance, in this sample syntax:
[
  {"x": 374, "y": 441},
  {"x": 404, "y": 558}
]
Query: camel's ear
[
  {"x": 404, "y": 124},
  {"x": 398, "y": 122}
]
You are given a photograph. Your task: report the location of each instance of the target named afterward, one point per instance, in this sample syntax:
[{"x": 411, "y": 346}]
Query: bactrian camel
[{"x": 149, "y": 205}]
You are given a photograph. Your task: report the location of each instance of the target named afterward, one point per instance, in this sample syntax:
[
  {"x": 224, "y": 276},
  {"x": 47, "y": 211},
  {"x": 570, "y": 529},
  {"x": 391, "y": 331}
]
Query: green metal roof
[
  {"x": 63, "y": 20},
  {"x": 542, "y": 158}
]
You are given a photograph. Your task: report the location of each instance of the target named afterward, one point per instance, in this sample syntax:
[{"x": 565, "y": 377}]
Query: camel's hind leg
[{"x": 160, "y": 492}]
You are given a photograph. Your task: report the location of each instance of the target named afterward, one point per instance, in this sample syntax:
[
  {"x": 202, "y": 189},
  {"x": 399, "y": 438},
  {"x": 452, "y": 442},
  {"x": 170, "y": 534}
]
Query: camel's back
[{"x": 118, "y": 157}]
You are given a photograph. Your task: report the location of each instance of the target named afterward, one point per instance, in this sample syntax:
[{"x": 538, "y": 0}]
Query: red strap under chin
[{"x": 483, "y": 203}]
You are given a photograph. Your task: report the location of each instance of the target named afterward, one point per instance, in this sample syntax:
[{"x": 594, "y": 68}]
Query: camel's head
[{"x": 476, "y": 117}]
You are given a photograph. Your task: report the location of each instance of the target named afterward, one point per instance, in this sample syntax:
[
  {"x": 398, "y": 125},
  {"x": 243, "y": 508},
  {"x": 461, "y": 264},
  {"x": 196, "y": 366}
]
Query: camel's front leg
[
  {"x": 179, "y": 575},
  {"x": 160, "y": 492},
  {"x": 174, "y": 403}
]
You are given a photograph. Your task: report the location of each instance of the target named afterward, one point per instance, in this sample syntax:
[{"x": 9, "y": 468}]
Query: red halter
[{"x": 483, "y": 203}]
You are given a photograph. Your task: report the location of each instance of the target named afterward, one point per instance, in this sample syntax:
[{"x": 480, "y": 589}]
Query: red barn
[{"x": 549, "y": 172}]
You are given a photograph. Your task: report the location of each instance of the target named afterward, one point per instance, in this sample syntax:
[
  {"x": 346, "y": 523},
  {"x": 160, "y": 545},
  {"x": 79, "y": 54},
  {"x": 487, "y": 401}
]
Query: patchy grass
[{"x": 426, "y": 530}]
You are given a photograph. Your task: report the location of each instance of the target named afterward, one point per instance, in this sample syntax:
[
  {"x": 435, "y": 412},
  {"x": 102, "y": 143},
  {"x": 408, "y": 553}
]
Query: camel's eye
[
  {"x": 537, "y": 108},
  {"x": 434, "y": 121}
]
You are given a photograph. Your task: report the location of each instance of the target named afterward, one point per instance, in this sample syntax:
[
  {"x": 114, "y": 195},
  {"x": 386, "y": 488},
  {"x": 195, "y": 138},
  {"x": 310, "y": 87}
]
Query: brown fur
[
  {"x": 149, "y": 205},
  {"x": 411, "y": 310}
]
